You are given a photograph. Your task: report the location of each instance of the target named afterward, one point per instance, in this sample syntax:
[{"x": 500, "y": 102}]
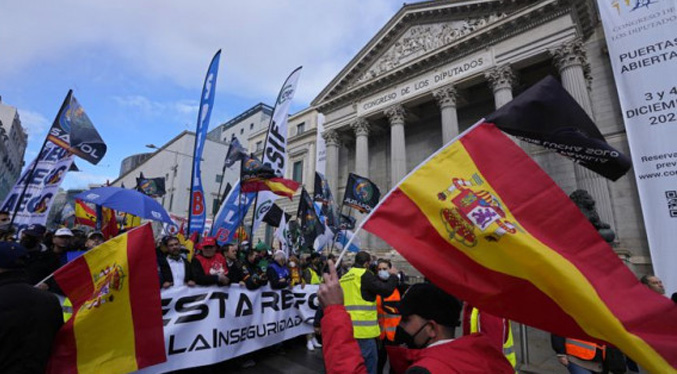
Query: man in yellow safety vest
[{"x": 360, "y": 288}]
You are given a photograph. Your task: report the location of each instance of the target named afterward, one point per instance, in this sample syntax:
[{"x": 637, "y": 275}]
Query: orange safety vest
[
  {"x": 582, "y": 349},
  {"x": 388, "y": 314}
]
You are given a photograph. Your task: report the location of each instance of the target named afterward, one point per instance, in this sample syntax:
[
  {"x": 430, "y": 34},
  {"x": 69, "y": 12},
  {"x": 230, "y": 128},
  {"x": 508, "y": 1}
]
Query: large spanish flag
[
  {"x": 117, "y": 318},
  {"x": 483, "y": 221}
]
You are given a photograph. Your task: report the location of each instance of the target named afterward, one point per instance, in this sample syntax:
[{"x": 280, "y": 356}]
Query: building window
[
  {"x": 241, "y": 131},
  {"x": 297, "y": 171},
  {"x": 219, "y": 178},
  {"x": 259, "y": 146},
  {"x": 215, "y": 206},
  {"x": 300, "y": 128},
  {"x": 251, "y": 126}
]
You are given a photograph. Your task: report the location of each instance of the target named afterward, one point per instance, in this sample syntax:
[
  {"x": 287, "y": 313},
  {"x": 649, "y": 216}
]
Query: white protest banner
[
  {"x": 206, "y": 325},
  {"x": 53, "y": 164},
  {"x": 642, "y": 45}
]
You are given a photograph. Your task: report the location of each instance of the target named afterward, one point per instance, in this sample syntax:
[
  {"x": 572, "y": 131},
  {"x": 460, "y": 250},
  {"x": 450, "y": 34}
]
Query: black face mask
[{"x": 403, "y": 337}]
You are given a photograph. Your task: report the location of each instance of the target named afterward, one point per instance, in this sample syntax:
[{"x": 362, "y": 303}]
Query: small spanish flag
[
  {"x": 117, "y": 317},
  {"x": 278, "y": 186},
  {"x": 483, "y": 221},
  {"x": 84, "y": 215}
]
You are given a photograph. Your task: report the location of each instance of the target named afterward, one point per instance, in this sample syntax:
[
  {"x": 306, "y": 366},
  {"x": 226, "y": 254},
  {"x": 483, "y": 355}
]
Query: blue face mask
[{"x": 383, "y": 274}]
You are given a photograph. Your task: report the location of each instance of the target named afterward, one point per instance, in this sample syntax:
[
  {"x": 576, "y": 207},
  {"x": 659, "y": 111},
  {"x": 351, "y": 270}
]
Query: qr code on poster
[{"x": 671, "y": 196}]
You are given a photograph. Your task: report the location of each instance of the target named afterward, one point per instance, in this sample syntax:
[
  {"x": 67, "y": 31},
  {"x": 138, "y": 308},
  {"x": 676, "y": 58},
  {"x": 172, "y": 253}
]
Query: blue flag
[
  {"x": 197, "y": 208},
  {"x": 231, "y": 214},
  {"x": 342, "y": 239}
]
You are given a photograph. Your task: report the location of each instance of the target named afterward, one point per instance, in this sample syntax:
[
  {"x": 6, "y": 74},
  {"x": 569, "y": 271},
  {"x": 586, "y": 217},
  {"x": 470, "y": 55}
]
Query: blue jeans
[
  {"x": 369, "y": 353},
  {"x": 575, "y": 369}
]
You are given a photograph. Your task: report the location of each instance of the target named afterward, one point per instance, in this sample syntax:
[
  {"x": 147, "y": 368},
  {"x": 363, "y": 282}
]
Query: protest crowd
[
  {"x": 369, "y": 315},
  {"x": 494, "y": 241}
]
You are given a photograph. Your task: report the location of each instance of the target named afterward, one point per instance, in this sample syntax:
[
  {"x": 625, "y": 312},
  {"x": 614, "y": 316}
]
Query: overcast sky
[{"x": 137, "y": 67}]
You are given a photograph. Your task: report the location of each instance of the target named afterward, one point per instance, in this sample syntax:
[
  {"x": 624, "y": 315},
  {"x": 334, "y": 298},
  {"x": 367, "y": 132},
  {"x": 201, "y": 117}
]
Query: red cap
[{"x": 208, "y": 240}]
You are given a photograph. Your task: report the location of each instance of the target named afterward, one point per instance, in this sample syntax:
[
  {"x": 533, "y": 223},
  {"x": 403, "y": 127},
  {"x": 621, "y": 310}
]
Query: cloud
[
  {"x": 34, "y": 123},
  {"x": 82, "y": 180},
  {"x": 150, "y": 108},
  {"x": 261, "y": 42}
]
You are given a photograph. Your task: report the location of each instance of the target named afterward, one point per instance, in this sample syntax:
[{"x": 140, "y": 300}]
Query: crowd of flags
[{"x": 479, "y": 218}]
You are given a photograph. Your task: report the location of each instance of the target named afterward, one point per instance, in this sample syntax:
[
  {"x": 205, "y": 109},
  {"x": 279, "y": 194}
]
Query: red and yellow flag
[
  {"x": 188, "y": 243},
  {"x": 117, "y": 317},
  {"x": 109, "y": 224},
  {"x": 483, "y": 221},
  {"x": 84, "y": 215},
  {"x": 278, "y": 186}
]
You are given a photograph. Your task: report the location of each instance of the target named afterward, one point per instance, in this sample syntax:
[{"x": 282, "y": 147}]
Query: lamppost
[{"x": 174, "y": 168}]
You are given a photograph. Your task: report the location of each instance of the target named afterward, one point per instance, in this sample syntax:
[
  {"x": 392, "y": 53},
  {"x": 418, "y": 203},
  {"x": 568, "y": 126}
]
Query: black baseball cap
[
  {"x": 430, "y": 302},
  {"x": 11, "y": 255},
  {"x": 35, "y": 230}
]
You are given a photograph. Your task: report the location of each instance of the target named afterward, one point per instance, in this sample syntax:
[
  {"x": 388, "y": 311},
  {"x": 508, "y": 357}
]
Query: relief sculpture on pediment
[{"x": 421, "y": 39}]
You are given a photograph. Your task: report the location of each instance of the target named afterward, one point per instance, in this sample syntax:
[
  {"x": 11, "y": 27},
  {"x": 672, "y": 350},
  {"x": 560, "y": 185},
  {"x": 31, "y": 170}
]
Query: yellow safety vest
[
  {"x": 362, "y": 312},
  {"x": 67, "y": 309},
  {"x": 508, "y": 345},
  {"x": 314, "y": 278}
]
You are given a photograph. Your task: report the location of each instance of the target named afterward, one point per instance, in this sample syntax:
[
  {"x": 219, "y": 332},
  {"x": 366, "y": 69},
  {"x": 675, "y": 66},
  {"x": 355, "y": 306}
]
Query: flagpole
[
  {"x": 397, "y": 185},
  {"x": 223, "y": 175},
  {"x": 29, "y": 176},
  {"x": 240, "y": 218},
  {"x": 331, "y": 250}
]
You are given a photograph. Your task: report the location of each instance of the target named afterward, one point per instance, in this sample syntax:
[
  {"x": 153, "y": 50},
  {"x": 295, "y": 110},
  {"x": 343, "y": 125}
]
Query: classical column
[
  {"x": 331, "y": 139},
  {"x": 446, "y": 99},
  {"x": 501, "y": 80},
  {"x": 361, "y": 128},
  {"x": 571, "y": 61},
  {"x": 398, "y": 151}
]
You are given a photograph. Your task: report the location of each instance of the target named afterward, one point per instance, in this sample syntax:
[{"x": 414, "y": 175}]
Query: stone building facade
[
  {"x": 437, "y": 67},
  {"x": 13, "y": 141}
]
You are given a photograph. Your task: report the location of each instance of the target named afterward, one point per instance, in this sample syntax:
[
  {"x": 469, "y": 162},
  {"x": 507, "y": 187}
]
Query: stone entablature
[
  {"x": 422, "y": 39},
  {"x": 418, "y": 29}
]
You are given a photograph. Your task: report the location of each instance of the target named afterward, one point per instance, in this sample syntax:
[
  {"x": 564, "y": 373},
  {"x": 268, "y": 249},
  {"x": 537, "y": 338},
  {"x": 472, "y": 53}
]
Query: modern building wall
[{"x": 173, "y": 161}]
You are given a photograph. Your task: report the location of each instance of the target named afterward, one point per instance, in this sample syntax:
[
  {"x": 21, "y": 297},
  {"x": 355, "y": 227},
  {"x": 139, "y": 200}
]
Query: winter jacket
[
  {"x": 472, "y": 354},
  {"x": 205, "y": 270},
  {"x": 30, "y": 319},
  {"x": 166, "y": 271},
  {"x": 276, "y": 274}
]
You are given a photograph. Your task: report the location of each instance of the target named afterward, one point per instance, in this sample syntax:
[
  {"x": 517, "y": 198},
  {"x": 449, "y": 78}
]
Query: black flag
[
  {"x": 311, "y": 227},
  {"x": 548, "y": 116},
  {"x": 73, "y": 130},
  {"x": 236, "y": 152},
  {"x": 323, "y": 194},
  {"x": 153, "y": 187},
  {"x": 361, "y": 193},
  {"x": 274, "y": 216}
]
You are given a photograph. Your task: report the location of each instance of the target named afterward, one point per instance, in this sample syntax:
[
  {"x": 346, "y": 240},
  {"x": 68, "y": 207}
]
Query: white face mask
[
  {"x": 292, "y": 264},
  {"x": 383, "y": 274}
]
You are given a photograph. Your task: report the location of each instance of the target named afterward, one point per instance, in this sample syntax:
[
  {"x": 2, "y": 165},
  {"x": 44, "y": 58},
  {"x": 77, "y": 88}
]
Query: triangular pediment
[
  {"x": 419, "y": 40},
  {"x": 419, "y": 32}
]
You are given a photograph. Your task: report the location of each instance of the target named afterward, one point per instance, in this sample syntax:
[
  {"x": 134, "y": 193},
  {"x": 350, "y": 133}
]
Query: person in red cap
[
  {"x": 429, "y": 319},
  {"x": 208, "y": 266}
]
